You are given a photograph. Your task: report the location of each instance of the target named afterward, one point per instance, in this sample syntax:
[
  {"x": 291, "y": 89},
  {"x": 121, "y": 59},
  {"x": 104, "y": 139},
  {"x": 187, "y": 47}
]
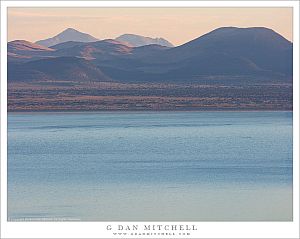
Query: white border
[{"x": 97, "y": 229}]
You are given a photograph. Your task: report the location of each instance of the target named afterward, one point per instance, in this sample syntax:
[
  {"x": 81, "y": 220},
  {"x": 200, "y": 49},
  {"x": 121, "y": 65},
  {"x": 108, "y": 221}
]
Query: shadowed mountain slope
[
  {"x": 262, "y": 46},
  {"x": 56, "y": 69}
]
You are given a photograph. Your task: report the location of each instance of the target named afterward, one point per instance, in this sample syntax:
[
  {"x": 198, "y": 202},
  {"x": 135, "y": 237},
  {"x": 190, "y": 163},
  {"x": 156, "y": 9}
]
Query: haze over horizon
[{"x": 177, "y": 25}]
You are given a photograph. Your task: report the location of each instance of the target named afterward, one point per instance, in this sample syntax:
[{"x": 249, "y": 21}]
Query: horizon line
[{"x": 156, "y": 37}]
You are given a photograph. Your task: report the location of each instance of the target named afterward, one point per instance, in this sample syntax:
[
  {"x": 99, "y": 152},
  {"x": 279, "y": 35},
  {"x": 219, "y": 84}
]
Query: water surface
[{"x": 150, "y": 166}]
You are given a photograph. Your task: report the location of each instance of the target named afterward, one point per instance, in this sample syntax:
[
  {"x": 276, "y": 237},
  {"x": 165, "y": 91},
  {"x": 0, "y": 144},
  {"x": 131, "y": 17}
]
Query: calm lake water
[{"x": 150, "y": 166}]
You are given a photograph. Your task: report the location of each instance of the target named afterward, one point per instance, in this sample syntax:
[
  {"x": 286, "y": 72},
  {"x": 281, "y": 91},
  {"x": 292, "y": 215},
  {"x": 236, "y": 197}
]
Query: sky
[{"x": 177, "y": 25}]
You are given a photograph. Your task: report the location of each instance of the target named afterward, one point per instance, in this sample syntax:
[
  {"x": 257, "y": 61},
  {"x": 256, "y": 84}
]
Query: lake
[{"x": 150, "y": 166}]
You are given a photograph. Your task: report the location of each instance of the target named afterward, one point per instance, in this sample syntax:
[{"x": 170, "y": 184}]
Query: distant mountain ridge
[
  {"x": 137, "y": 40},
  {"x": 19, "y": 50},
  {"x": 23, "y": 45},
  {"x": 70, "y": 34},
  {"x": 229, "y": 53}
]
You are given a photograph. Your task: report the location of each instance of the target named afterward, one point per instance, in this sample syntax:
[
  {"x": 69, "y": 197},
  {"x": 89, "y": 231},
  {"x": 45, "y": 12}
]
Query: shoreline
[{"x": 147, "y": 111}]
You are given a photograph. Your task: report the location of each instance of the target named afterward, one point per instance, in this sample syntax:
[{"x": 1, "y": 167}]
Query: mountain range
[
  {"x": 227, "y": 68},
  {"x": 226, "y": 53},
  {"x": 71, "y": 34},
  {"x": 137, "y": 40}
]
